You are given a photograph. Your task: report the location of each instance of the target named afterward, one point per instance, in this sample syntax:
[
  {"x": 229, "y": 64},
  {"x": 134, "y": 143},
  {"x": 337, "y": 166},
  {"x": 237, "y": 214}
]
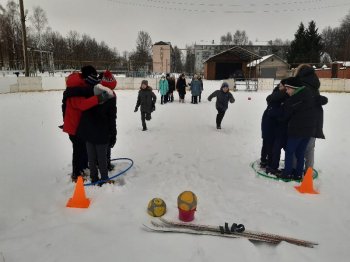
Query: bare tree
[
  {"x": 240, "y": 38},
  {"x": 39, "y": 22},
  {"x": 141, "y": 59},
  {"x": 226, "y": 39}
]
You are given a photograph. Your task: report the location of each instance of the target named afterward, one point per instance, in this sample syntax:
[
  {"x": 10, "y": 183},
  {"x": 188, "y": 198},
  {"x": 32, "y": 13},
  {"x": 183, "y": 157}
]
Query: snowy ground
[{"x": 181, "y": 151}]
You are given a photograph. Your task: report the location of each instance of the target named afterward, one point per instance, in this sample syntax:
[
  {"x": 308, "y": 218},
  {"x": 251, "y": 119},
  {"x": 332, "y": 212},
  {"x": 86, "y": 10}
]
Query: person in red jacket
[{"x": 73, "y": 106}]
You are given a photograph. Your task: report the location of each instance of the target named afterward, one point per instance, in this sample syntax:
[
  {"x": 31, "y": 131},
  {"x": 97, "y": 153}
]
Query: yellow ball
[
  {"x": 187, "y": 201},
  {"x": 156, "y": 207}
]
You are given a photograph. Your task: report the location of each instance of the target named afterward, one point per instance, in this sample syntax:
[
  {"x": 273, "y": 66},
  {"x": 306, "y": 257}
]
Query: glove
[
  {"x": 103, "y": 97},
  {"x": 136, "y": 108},
  {"x": 209, "y": 100},
  {"x": 153, "y": 107}
]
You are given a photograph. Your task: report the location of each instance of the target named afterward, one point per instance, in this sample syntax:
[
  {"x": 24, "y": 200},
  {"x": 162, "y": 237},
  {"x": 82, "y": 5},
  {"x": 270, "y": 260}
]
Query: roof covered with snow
[{"x": 263, "y": 59}]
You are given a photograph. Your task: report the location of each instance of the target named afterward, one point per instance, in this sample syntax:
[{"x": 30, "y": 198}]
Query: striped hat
[{"x": 108, "y": 80}]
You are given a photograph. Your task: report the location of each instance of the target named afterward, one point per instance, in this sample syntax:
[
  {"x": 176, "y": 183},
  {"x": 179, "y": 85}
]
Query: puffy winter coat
[
  {"x": 309, "y": 78},
  {"x": 146, "y": 99},
  {"x": 76, "y": 105},
  {"x": 222, "y": 99},
  {"x": 300, "y": 113},
  {"x": 98, "y": 124},
  {"x": 163, "y": 87},
  {"x": 196, "y": 87}
]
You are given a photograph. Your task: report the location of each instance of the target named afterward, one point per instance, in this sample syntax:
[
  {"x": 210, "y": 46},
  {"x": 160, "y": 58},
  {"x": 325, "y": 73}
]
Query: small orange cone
[
  {"x": 306, "y": 185},
  {"x": 79, "y": 199}
]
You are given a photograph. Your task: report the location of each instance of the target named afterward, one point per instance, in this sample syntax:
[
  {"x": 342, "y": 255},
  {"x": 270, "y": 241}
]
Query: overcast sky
[{"x": 182, "y": 22}]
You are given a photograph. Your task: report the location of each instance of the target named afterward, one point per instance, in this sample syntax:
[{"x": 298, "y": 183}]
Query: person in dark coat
[
  {"x": 171, "y": 84},
  {"x": 146, "y": 99},
  {"x": 98, "y": 128},
  {"x": 181, "y": 87},
  {"x": 300, "y": 114},
  {"x": 223, "y": 96},
  {"x": 274, "y": 132},
  {"x": 308, "y": 77}
]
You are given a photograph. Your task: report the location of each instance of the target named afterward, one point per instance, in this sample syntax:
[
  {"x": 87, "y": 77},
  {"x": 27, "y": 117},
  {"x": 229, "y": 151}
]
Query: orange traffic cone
[
  {"x": 79, "y": 199},
  {"x": 306, "y": 185}
]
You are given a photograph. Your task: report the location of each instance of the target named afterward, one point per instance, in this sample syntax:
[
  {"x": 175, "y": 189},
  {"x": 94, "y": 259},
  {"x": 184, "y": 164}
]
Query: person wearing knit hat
[
  {"x": 90, "y": 75},
  {"x": 106, "y": 87},
  {"x": 163, "y": 89},
  {"x": 223, "y": 96},
  {"x": 98, "y": 128},
  {"x": 146, "y": 99},
  {"x": 300, "y": 115}
]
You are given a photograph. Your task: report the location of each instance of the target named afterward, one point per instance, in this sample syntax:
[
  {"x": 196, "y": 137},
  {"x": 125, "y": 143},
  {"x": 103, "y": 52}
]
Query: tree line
[{"x": 77, "y": 49}]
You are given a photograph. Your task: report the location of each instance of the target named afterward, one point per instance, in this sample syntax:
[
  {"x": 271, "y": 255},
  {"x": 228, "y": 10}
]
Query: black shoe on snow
[
  {"x": 110, "y": 167},
  {"x": 106, "y": 182},
  {"x": 218, "y": 127},
  {"x": 273, "y": 171},
  {"x": 284, "y": 176},
  {"x": 263, "y": 164},
  {"x": 144, "y": 129}
]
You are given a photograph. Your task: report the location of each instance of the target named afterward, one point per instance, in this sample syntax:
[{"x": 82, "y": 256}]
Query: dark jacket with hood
[
  {"x": 271, "y": 126},
  {"x": 98, "y": 124},
  {"x": 146, "y": 99},
  {"x": 309, "y": 78},
  {"x": 222, "y": 99},
  {"x": 300, "y": 114}
]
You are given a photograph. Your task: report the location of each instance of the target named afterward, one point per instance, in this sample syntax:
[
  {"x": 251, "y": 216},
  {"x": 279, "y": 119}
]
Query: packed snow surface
[{"x": 182, "y": 150}]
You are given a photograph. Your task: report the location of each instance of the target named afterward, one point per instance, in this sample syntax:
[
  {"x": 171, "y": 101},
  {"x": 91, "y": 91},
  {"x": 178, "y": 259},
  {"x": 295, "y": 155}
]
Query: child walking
[
  {"x": 223, "y": 96},
  {"x": 147, "y": 100}
]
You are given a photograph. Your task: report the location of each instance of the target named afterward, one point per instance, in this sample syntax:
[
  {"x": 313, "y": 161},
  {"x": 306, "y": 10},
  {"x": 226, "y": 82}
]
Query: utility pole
[{"x": 24, "y": 39}]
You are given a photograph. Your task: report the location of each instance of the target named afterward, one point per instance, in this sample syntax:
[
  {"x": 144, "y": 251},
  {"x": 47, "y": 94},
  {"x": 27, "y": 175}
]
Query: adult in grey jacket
[{"x": 223, "y": 96}]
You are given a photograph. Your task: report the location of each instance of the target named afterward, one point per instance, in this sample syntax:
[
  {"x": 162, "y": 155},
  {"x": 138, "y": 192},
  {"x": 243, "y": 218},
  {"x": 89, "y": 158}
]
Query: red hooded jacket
[{"x": 76, "y": 105}]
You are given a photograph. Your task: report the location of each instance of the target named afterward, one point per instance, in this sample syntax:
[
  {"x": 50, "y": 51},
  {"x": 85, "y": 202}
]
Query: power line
[{"x": 201, "y": 8}]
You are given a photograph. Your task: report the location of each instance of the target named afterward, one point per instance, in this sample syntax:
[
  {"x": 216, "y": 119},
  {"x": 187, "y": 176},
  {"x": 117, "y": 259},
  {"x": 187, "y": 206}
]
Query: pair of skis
[{"x": 163, "y": 225}]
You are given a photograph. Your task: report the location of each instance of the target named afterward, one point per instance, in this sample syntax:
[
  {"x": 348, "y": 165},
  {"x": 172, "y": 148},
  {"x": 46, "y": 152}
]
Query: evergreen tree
[
  {"x": 297, "y": 50},
  {"x": 313, "y": 44},
  {"x": 306, "y": 46}
]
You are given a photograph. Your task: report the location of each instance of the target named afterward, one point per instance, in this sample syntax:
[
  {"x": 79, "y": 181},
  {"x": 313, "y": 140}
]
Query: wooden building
[{"x": 231, "y": 63}]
